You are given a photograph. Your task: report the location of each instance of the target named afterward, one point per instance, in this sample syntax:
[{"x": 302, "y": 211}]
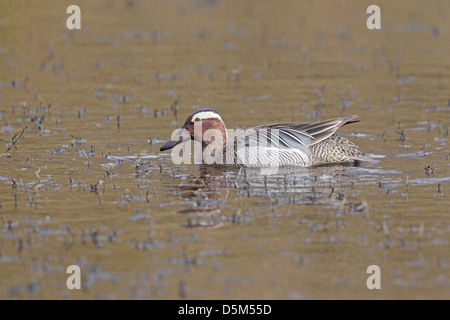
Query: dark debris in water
[
  {"x": 15, "y": 139},
  {"x": 266, "y": 217},
  {"x": 77, "y": 141}
]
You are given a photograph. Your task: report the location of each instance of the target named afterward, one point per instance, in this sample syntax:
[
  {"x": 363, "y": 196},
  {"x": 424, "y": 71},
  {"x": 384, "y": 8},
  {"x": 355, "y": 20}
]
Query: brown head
[{"x": 205, "y": 126}]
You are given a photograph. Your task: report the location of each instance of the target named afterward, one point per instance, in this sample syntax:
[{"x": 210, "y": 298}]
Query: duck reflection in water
[{"x": 207, "y": 192}]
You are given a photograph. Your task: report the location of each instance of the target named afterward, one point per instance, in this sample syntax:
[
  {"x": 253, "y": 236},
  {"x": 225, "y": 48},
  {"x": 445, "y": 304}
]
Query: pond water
[{"x": 83, "y": 114}]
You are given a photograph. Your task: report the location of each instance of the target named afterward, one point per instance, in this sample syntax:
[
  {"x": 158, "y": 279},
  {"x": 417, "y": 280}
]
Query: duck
[{"x": 304, "y": 144}]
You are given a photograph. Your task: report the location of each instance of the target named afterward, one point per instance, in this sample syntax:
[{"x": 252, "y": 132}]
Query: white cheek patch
[{"x": 206, "y": 115}]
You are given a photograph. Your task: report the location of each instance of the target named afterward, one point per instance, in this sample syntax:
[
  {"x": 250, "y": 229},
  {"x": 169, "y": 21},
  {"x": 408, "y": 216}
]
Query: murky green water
[{"x": 85, "y": 183}]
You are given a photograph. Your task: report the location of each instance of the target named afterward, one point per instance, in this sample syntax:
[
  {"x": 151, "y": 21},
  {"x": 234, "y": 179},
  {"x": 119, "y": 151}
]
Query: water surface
[{"x": 84, "y": 113}]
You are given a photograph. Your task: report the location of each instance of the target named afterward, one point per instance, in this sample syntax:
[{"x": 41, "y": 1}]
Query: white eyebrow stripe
[{"x": 206, "y": 115}]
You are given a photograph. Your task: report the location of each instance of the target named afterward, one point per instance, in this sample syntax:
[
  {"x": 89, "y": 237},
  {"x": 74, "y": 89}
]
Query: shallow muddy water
[{"x": 84, "y": 113}]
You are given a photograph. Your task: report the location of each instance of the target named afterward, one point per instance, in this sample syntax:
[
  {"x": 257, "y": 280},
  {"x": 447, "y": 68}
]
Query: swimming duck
[{"x": 275, "y": 145}]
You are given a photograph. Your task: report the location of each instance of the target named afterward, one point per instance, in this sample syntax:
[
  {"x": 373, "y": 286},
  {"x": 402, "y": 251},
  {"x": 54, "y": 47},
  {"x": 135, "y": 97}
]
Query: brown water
[{"x": 97, "y": 104}]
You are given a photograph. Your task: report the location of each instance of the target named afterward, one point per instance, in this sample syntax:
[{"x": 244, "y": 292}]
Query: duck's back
[{"x": 293, "y": 144}]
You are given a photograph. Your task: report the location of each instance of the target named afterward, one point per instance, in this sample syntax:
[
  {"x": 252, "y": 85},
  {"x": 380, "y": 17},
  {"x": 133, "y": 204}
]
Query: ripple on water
[{"x": 429, "y": 180}]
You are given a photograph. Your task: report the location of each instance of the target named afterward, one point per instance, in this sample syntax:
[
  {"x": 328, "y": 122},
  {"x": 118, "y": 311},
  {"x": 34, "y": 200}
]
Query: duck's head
[{"x": 204, "y": 125}]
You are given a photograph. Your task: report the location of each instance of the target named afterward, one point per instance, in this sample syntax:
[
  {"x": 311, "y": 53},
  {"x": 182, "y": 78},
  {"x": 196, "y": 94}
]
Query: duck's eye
[{"x": 197, "y": 119}]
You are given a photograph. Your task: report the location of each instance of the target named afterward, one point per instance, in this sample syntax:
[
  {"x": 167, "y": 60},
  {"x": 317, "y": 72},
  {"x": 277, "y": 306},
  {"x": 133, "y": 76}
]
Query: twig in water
[
  {"x": 88, "y": 162},
  {"x": 37, "y": 174},
  {"x": 15, "y": 139}
]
